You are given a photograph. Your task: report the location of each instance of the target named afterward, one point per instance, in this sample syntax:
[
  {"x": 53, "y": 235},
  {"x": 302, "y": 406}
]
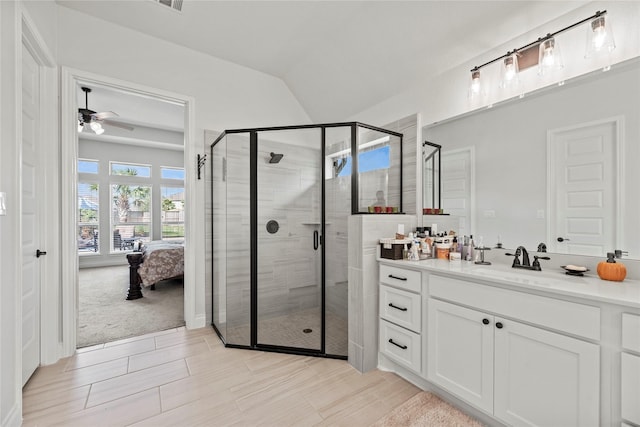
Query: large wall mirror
[{"x": 560, "y": 166}]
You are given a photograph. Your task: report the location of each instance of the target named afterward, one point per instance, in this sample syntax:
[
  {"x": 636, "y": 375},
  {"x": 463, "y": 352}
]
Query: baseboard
[
  {"x": 14, "y": 418},
  {"x": 199, "y": 321}
]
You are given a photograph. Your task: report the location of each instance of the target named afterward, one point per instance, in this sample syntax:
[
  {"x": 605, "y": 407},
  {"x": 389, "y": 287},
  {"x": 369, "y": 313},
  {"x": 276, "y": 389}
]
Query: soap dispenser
[{"x": 611, "y": 270}]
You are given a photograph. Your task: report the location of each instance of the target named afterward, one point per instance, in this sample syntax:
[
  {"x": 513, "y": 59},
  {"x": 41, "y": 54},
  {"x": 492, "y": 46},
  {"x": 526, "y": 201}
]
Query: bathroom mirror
[{"x": 525, "y": 188}]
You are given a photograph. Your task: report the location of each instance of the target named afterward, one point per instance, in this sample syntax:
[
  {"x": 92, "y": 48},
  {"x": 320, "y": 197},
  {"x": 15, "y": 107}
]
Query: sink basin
[{"x": 516, "y": 274}]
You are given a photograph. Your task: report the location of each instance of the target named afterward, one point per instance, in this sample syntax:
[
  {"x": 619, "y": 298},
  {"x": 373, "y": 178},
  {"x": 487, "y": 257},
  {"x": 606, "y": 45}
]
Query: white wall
[
  {"x": 227, "y": 96},
  {"x": 445, "y": 96},
  {"x": 9, "y": 260}
]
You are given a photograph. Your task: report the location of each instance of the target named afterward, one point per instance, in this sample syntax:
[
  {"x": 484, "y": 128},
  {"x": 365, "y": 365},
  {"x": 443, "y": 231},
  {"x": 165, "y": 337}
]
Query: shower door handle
[{"x": 315, "y": 240}]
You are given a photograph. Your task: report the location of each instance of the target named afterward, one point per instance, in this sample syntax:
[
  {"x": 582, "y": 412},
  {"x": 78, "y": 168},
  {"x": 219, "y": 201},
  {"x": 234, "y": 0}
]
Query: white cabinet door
[
  {"x": 543, "y": 378},
  {"x": 460, "y": 352}
]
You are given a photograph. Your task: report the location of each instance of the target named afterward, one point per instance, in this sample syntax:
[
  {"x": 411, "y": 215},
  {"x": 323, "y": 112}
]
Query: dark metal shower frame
[
  {"x": 437, "y": 150},
  {"x": 253, "y": 219}
]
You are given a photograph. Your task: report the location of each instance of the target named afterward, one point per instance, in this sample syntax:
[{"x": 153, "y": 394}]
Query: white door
[
  {"x": 456, "y": 177},
  {"x": 460, "y": 352},
  {"x": 583, "y": 190},
  {"x": 30, "y": 215},
  {"x": 545, "y": 379}
]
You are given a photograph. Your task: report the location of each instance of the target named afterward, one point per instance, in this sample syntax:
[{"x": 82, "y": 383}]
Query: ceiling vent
[{"x": 173, "y": 4}]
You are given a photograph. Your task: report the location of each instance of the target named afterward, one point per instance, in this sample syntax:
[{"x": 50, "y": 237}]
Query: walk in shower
[{"x": 281, "y": 201}]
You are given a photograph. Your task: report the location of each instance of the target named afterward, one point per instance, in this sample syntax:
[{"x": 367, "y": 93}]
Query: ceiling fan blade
[
  {"x": 104, "y": 115},
  {"x": 118, "y": 125}
]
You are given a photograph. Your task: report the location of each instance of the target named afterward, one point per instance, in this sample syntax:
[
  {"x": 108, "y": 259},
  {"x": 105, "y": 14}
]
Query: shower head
[{"x": 275, "y": 158}]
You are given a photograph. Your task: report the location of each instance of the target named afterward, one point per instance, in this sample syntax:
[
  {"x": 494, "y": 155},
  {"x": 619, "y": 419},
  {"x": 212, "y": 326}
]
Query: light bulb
[
  {"x": 509, "y": 69},
  {"x": 97, "y": 128},
  {"x": 599, "y": 37},
  {"x": 80, "y": 126},
  {"x": 599, "y": 33},
  {"x": 549, "y": 57},
  {"x": 509, "y": 72},
  {"x": 474, "y": 89}
]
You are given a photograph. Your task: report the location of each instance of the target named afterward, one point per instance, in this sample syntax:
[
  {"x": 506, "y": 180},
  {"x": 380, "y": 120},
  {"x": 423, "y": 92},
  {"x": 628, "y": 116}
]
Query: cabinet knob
[
  {"x": 485, "y": 321},
  {"x": 499, "y": 325}
]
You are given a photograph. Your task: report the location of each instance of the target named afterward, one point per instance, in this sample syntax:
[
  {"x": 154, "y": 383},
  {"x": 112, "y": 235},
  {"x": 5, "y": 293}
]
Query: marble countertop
[{"x": 551, "y": 280}]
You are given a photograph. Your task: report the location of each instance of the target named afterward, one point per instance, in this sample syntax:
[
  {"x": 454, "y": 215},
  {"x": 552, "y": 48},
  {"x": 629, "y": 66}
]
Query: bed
[{"x": 157, "y": 260}]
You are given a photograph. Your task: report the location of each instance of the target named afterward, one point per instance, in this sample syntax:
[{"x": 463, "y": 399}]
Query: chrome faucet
[{"x": 526, "y": 264}]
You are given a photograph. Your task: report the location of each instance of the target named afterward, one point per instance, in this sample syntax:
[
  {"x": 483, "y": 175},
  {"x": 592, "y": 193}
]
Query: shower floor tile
[{"x": 298, "y": 329}]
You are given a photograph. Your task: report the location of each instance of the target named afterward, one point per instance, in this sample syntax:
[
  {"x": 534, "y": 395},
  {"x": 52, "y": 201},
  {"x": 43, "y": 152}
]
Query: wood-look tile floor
[{"x": 185, "y": 377}]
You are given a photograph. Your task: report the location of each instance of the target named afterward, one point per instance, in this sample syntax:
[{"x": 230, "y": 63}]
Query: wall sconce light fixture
[{"x": 545, "y": 53}]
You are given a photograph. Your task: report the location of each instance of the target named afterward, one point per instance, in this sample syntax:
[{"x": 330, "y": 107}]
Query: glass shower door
[{"x": 289, "y": 239}]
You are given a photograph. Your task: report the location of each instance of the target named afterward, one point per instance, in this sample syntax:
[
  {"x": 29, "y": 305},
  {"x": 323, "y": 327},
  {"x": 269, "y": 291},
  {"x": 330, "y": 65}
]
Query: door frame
[
  {"x": 619, "y": 148},
  {"x": 194, "y": 307}
]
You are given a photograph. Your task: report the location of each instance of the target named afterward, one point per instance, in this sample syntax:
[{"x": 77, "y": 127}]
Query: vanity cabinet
[
  {"x": 520, "y": 373},
  {"x": 400, "y": 336},
  {"x": 630, "y": 368},
  {"x": 516, "y": 349}
]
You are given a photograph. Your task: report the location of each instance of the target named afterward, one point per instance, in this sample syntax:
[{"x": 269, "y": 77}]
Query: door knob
[
  {"x": 562, "y": 239},
  {"x": 39, "y": 253}
]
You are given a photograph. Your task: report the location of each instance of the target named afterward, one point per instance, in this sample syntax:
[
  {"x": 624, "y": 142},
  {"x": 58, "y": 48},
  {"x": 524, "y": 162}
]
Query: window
[
  {"x": 131, "y": 215},
  {"x": 142, "y": 171},
  {"x": 172, "y": 213},
  {"x": 377, "y": 158},
  {"x": 87, "y": 166},
  {"x": 172, "y": 173},
  {"x": 88, "y": 220}
]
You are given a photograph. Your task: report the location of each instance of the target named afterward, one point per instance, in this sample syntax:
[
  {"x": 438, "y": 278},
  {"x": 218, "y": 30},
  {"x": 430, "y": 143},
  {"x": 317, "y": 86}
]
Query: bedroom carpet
[
  {"x": 426, "y": 409},
  {"x": 105, "y": 315}
]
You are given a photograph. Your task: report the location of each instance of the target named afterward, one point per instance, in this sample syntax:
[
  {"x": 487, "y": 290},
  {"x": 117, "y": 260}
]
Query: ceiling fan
[{"x": 95, "y": 120}]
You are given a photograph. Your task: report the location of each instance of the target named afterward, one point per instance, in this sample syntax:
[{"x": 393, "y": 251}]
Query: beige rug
[
  {"x": 426, "y": 409},
  {"x": 105, "y": 315}
]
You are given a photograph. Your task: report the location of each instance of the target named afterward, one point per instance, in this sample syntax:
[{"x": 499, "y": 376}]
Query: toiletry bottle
[
  {"x": 415, "y": 249},
  {"x": 405, "y": 252},
  {"x": 471, "y": 252},
  {"x": 465, "y": 247}
]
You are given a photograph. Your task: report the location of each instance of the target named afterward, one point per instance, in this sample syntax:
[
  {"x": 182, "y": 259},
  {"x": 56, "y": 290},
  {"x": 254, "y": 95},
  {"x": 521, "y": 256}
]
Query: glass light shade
[
  {"x": 80, "y": 126},
  {"x": 599, "y": 37},
  {"x": 549, "y": 57},
  {"x": 475, "y": 85},
  {"x": 509, "y": 71},
  {"x": 97, "y": 128}
]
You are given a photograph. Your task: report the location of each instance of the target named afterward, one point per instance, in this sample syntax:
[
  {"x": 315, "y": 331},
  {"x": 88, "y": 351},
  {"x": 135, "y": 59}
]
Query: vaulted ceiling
[{"x": 337, "y": 57}]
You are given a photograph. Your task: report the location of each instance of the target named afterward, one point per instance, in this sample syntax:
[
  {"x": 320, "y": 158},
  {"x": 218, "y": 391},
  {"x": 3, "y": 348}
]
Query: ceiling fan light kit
[{"x": 96, "y": 120}]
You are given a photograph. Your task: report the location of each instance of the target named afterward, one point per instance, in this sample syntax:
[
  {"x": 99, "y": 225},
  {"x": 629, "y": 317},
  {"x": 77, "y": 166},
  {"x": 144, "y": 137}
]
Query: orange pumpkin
[{"x": 612, "y": 270}]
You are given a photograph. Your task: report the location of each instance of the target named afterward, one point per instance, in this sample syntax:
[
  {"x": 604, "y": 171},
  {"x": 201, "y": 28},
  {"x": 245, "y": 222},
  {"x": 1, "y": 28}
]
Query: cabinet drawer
[
  {"x": 400, "y": 278},
  {"x": 578, "y": 319},
  {"x": 631, "y": 332},
  {"x": 630, "y": 387},
  {"x": 400, "y": 307},
  {"x": 401, "y": 345}
]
